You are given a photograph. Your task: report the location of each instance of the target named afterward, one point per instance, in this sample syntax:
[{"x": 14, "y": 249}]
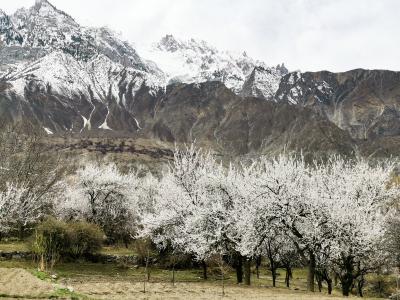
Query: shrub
[
  {"x": 50, "y": 239},
  {"x": 381, "y": 285},
  {"x": 85, "y": 239},
  {"x": 54, "y": 239},
  {"x": 144, "y": 250}
]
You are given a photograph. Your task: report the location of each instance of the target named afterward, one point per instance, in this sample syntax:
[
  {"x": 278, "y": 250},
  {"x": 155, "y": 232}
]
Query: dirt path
[{"x": 21, "y": 283}]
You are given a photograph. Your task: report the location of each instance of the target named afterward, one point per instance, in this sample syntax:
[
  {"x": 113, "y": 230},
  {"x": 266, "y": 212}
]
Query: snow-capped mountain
[
  {"x": 44, "y": 26},
  {"x": 42, "y": 30},
  {"x": 46, "y": 48},
  {"x": 66, "y": 77},
  {"x": 192, "y": 61},
  {"x": 55, "y": 50}
]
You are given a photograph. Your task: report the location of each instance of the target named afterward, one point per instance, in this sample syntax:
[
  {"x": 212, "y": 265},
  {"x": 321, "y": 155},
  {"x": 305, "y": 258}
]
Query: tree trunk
[
  {"x": 346, "y": 289},
  {"x": 258, "y": 264},
  {"x": 273, "y": 271},
  {"x": 287, "y": 277},
  {"x": 360, "y": 286},
  {"x": 223, "y": 284},
  {"x": 348, "y": 278},
  {"x": 21, "y": 232},
  {"x": 42, "y": 265},
  {"x": 239, "y": 268},
  {"x": 247, "y": 271},
  {"x": 329, "y": 283},
  {"x": 126, "y": 241},
  {"x": 319, "y": 281},
  {"x": 147, "y": 273},
  {"x": 311, "y": 273},
  {"x": 173, "y": 275},
  {"x": 204, "y": 265},
  {"x": 222, "y": 274},
  {"x": 273, "y": 268}
]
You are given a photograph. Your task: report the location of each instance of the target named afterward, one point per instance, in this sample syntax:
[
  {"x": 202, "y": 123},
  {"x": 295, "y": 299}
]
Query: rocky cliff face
[
  {"x": 363, "y": 102},
  {"x": 70, "y": 79},
  {"x": 213, "y": 115}
]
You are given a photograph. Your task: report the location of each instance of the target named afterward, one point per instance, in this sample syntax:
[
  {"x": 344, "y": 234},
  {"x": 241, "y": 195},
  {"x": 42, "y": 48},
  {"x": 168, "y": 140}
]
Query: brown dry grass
[
  {"x": 21, "y": 283},
  {"x": 124, "y": 290}
]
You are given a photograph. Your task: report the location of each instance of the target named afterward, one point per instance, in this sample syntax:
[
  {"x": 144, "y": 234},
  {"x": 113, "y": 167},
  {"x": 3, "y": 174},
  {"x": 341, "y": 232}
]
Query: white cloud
[{"x": 335, "y": 35}]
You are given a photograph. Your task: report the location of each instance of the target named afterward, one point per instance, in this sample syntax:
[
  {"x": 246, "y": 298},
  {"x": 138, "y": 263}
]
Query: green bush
[
  {"x": 144, "y": 250},
  {"x": 53, "y": 240},
  {"x": 381, "y": 285},
  {"x": 85, "y": 239},
  {"x": 50, "y": 239}
]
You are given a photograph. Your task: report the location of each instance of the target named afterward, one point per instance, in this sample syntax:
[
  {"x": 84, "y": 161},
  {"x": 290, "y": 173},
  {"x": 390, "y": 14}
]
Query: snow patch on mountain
[
  {"x": 60, "y": 73},
  {"x": 47, "y": 49},
  {"x": 194, "y": 61},
  {"x": 301, "y": 88},
  {"x": 105, "y": 125},
  {"x": 43, "y": 25},
  {"x": 263, "y": 82}
]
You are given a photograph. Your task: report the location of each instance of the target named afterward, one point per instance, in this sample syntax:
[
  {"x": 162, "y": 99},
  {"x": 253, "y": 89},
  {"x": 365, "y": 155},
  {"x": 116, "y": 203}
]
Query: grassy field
[
  {"x": 85, "y": 280},
  {"x": 110, "y": 281},
  {"x": 13, "y": 246},
  {"x": 117, "y": 250},
  {"x": 16, "y": 283}
]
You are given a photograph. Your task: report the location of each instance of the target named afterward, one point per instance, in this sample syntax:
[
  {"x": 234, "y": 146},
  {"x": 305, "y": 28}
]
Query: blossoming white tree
[
  {"x": 28, "y": 177},
  {"x": 12, "y": 208},
  {"x": 354, "y": 195},
  {"x": 101, "y": 194},
  {"x": 196, "y": 208},
  {"x": 183, "y": 209},
  {"x": 330, "y": 212}
]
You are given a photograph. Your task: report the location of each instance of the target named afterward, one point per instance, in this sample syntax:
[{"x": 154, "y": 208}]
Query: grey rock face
[{"x": 366, "y": 103}]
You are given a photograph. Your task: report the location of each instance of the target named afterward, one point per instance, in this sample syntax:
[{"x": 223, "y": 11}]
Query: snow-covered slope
[
  {"x": 61, "y": 73},
  {"x": 44, "y": 26},
  {"x": 72, "y": 77},
  {"x": 48, "y": 45},
  {"x": 69, "y": 59},
  {"x": 195, "y": 61}
]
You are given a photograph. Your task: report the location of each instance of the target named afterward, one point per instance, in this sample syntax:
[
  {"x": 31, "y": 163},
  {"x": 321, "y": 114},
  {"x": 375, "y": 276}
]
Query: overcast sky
[{"x": 309, "y": 35}]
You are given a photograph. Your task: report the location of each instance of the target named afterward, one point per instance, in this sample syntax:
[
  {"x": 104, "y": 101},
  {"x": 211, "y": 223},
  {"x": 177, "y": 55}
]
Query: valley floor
[
  {"x": 192, "y": 291},
  {"x": 19, "y": 279},
  {"x": 18, "y": 283}
]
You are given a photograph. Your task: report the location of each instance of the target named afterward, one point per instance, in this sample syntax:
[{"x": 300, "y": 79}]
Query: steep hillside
[
  {"x": 73, "y": 80},
  {"x": 366, "y": 103}
]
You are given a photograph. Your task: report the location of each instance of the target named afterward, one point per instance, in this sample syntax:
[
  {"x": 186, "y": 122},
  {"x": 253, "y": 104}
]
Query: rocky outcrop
[
  {"x": 209, "y": 113},
  {"x": 366, "y": 103}
]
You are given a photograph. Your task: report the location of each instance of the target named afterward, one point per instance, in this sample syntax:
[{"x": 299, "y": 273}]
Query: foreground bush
[
  {"x": 55, "y": 239},
  {"x": 84, "y": 238},
  {"x": 50, "y": 239}
]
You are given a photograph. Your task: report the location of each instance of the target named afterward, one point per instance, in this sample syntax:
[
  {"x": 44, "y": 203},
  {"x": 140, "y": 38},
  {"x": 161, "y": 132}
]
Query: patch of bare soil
[
  {"x": 192, "y": 291},
  {"x": 21, "y": 283}
]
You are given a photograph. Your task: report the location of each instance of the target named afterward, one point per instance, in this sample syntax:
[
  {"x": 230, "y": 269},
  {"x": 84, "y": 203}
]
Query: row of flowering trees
[{"x": 331, "y": 214}]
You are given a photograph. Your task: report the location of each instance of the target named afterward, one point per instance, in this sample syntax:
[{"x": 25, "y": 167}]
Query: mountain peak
[
  {"x": 169, "y": 43},
  {"x": 282, "y": 68},
  {"x": 44, "y": 8},
  {"x": 39, "y": 4}
]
